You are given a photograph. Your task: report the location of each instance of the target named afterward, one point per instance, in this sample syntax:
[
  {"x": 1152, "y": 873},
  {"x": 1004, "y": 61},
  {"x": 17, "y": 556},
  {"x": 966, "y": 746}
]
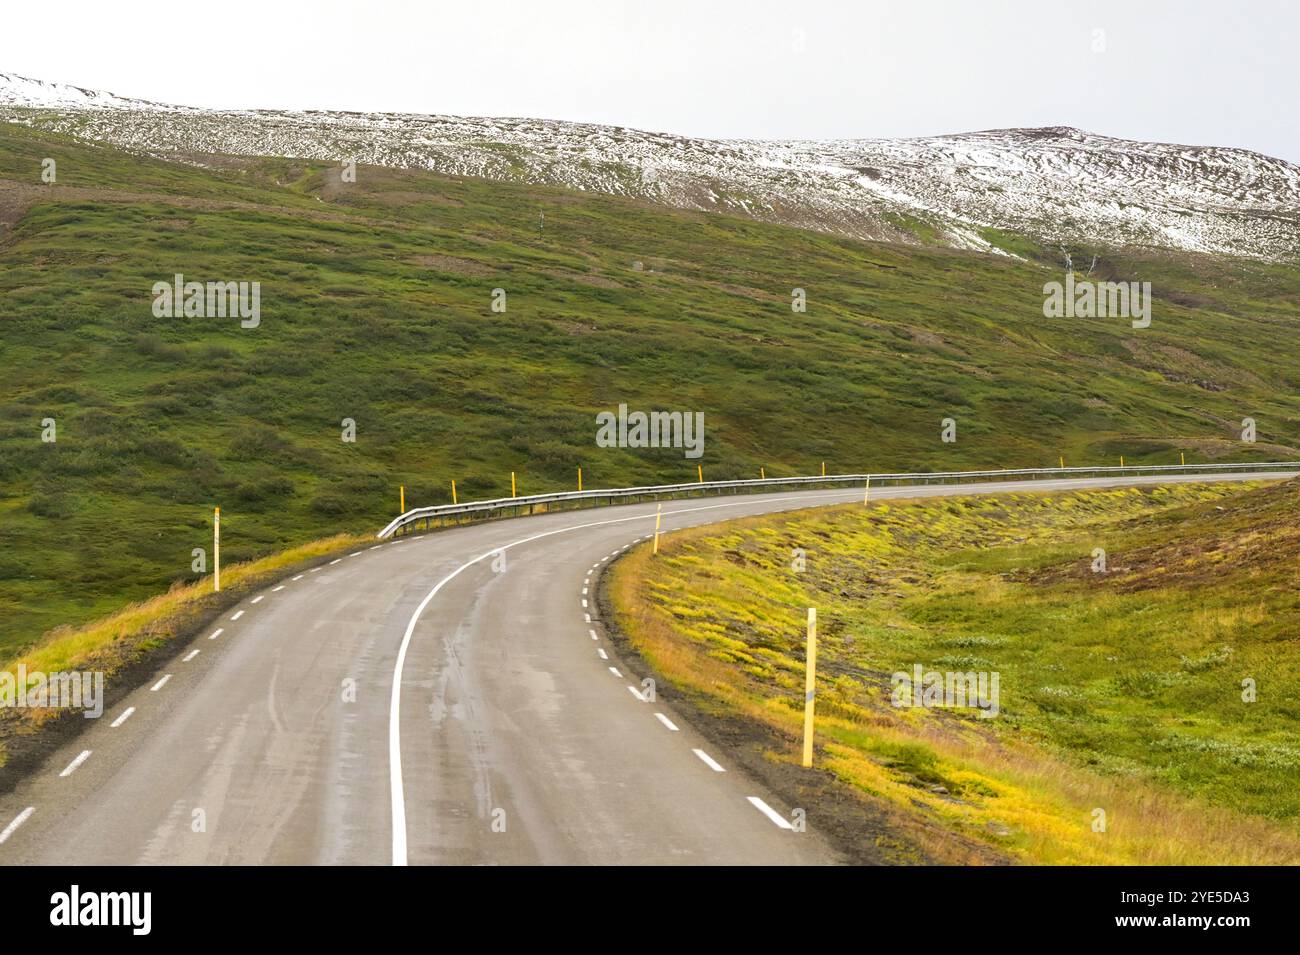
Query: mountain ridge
[{"x": 1058, "y": 185}]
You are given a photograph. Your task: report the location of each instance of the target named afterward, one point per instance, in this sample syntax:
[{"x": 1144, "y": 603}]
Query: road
[{"x": 443, "y": 699}]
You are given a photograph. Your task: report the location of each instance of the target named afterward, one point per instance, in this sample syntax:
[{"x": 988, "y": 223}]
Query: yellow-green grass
[
  {"x": 376, "y": 302},
  {"x": 1116, "y": 691}
]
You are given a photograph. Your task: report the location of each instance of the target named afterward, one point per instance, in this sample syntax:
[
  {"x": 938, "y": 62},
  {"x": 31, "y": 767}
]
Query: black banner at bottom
[{"x": 331, "y": 904}]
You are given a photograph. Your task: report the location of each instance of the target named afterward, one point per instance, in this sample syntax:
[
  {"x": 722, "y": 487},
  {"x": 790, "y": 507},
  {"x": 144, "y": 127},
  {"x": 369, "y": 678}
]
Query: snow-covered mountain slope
[
  {"x": 23, "y": 91},
  {"x": 1057, "y": 185}
]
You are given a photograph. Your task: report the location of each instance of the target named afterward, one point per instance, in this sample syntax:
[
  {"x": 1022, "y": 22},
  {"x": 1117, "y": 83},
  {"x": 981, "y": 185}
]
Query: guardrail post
[
  {"x": 810, "y": 687},
  {"x": 216, "y": 550}
]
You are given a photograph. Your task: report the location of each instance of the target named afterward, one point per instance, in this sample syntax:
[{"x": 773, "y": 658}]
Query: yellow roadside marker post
[
  {"x": 810, "y": 684},
  {"x": 216, "y": 550},
  {"x": 512, "y": 484},
  {"x": 823, "y": 469},
  {"x": 762, "y": 473},
  {"x": 453, "y": 491},
  {"x": 1182, "y": 458},
  {"x": 866, "y": 491},
  {"x": 699, "y": 470},
  {"x": 1121, "y": 460},
  {"x": 402, "y": 491},
  {"x": 579, "y": 479},
  {"x": 658, "y": 517},
  {"x": 1063, "y": 462}
]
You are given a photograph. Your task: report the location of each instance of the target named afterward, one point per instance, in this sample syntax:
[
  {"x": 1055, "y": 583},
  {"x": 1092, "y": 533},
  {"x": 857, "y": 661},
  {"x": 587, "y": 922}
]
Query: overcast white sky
[{"x": 1198, "y": 72}]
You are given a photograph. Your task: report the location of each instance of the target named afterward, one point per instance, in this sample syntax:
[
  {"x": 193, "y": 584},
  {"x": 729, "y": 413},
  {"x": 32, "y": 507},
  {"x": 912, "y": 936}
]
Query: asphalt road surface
[{"x": 443, "y": 699}]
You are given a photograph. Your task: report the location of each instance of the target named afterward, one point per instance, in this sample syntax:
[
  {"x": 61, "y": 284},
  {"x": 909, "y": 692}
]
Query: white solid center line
[
  {"x": 603, "y": 655},
  {"x": 160, "y": 684},
  {"x": 216, "y": 633},
  {"x": 237, "y": 615},
  {"x": 190, "y": 656},
  {"x": 126, "y": 715},
  {"x": 708, "y": 760},
  {"x": 18, "y": 821},
  {"x": 666, "y": 721},
  {"x": 614, "y": 670},
  {"x": 72, "y": 766},
  {"x": 771, "y": 813},
  {"x": 259, "y": 598}
]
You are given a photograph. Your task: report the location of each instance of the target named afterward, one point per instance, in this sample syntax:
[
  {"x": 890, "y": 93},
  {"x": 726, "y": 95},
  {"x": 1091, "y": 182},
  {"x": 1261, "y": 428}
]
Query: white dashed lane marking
[
  {"x": 160, "y": 684},
  {"x": 278, "y": 589},
  {"x": 593, "y": 634},
  {"x": 771, "y": 813},
  {"x": 237, "y": 615},
  {"x": 708, "y": 760},
  {"x": 614, "y": 670},
  {"x": 126, "y": 715},
  {"x": 18, "y": 821},
  {"x": 72, "y": 766},
  {"x": 216, "y": 633},
  {"x": 189, "y": 656},
  {"x": 299, "y": 577},
  {"x": 258, "y": 599},
  {"x": 603, "y": 654},
  {"x": 666, "y": 721}
]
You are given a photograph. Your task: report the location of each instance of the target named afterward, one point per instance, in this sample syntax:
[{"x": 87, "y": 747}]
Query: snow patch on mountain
[
  {"x": 34, "y": 94},
  {"x": 1058, "y": 185}
]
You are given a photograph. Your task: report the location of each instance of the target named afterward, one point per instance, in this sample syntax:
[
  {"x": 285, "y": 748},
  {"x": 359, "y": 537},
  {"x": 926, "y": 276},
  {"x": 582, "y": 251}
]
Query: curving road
[{"x": 444, "y": 699}]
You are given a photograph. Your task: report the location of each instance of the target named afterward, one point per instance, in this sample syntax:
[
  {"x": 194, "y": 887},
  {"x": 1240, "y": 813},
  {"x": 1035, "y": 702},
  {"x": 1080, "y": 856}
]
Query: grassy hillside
[
  {"x": 376, "y": 306},
  {"x": 1120, "y": 690}
]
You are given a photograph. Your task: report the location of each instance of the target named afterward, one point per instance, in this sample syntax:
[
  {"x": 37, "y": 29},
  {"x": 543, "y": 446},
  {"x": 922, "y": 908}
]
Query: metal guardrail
[{"x": 504, "y": 506}]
